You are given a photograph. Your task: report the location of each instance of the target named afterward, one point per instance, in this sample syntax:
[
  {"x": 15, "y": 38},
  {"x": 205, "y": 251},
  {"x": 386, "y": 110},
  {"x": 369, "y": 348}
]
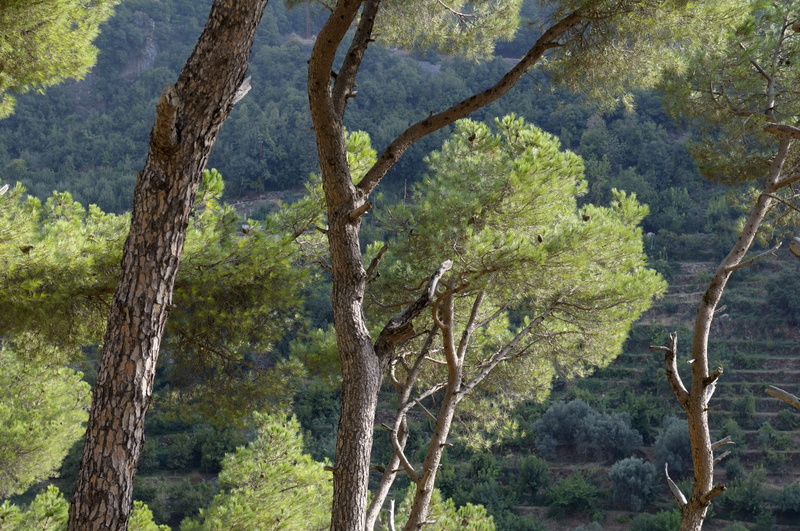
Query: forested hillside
[
  {"x": 566, "y": 215},
  {"x": 86, "y": 137}
]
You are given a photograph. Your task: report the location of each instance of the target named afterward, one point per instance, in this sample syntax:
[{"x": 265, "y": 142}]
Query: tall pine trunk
[{"x": 188, "y": 118}]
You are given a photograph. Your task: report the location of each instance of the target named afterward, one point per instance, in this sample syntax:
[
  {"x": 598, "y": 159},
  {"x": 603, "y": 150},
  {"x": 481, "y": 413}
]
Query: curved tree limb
[{"x": 460, "y": 110}]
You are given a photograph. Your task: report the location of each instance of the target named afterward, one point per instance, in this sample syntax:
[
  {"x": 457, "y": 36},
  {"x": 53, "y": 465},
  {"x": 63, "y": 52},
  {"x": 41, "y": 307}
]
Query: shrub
[
  {"x": 181, "y": 452},
  {"x": 783, "y": 298},
  {"x": 515, "y": 522},
  {"x": 661, "y": 521},
  {"x": 787, "y": 420},
  {"x": 788, "y": 501},
  {"x": 269, "y": 481},
  {"x": 444, "y": 515},
  {"x": 603, "y": 435},
  {"x": 771, "y": 439},
  {"x": 633, "y": 482},
  {"x": 672, "y": 446},
  {"x": 734, "y": 469},
  {"x": 736, "y": 526},
  {"x": 570, "y": 495},
  {"x": 483, "y": 466},
  {"x": 745, "y": 499},
  {"x": 732, "y": 428},
  {"x": 744, "y": 410},
  {"x": 608, "y": 435},
  {"x": 532, "y": 475}
]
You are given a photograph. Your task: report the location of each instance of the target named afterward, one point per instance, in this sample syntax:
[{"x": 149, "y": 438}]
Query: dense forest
[{"x": 584, "y": 232}]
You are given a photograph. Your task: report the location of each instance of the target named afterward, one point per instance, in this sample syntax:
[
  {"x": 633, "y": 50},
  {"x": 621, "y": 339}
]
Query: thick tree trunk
[
  {"x": 189, "y": 116},
  {"x": 362, "y": 366}
]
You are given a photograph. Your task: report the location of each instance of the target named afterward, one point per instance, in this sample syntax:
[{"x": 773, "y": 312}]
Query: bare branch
[
  {"x": 401, "y": 327},
  {"x": 671, "y": 367},
  {"x": 242, "y": 91},
  {"x": 721, "y": 457},
  {"x": 722, "y": 442},
  {"x": 788, "y": 180},
  {"x": 423, "y": 408},
  {"x": 676, "y": 491},
  {"x": 502, "y": 354},
  {"x": 377, "y": 260},
  {"x": 758, "y": 67},
  {"x": 360, "y": 211},
  {"x": 755, "y": 259},
  {"x": 470, "y": 326},
  {"x": 713, "y": 377},
  {"x": 398, "y": 450},
  {"x": 713, "y": 493},
  {"x": 458, "y": 14},
  {"x": 391, "y": 514},
  {"x": 787, "y": 397}
]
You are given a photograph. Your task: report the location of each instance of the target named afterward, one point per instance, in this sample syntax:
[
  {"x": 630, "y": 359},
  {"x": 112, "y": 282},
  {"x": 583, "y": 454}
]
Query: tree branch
[
  {"x": 401, "y": 326},
  {"x": 435, "y": 122},
  {"x": 346, "y": 79},
  {"x": 671, "y": 367},
  {"x": 674, "y": 489},
  {"x": 719, "y": 458},
  {"x": 713, "y": 377},
  {"x": 502, "y": 354},
  {"x": 423, "y": 408},
  {"x": 722, "y": 442},
  {"x": 377, "y": 260},
  {"x": 713, "y": 493},
  {"x": 787, "y": 397},
  {"x": 360, "y": 211},
  {"x": 398, "y": 450},
  {"x": 782, "y": 130},
  {"x": 755, "y": 259}
]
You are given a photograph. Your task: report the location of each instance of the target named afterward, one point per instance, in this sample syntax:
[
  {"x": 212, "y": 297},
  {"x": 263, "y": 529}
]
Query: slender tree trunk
[
  {"x": 418, "y": 517},
  {"x": 188, "y": 118},
  {"x": 695, "y": 400}
]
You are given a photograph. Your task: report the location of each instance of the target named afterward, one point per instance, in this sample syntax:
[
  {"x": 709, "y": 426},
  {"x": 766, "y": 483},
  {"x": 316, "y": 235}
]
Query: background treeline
[{"x": 88, "y": 137}]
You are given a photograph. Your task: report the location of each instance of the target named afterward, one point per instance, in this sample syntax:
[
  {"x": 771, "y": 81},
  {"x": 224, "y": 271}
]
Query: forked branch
[{"x": 671, "y": 368}]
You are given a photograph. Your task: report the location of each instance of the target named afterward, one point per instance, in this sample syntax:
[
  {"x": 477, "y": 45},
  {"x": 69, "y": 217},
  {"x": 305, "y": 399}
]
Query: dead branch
[
  {"x": 401, "y": 327},
  {"x": 755, "y": 259},
  {"x": 377, "y": 260},
  {"x": 712, "y": 377},
  {"x": 787, "y": 397},
  {"x": 713, "y": 493},
  {"x": 721, "y": 457},
  {"x": 398, "y": 450},
  {"x": 423, "y": 408},
  {"x": 671, "y": 368},
  {"x": 674, "y": 489},
  {"x": 722, "y": 442}
]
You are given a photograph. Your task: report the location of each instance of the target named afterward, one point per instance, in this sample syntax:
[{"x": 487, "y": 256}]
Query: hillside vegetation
[{"x": 561, "y": 464}]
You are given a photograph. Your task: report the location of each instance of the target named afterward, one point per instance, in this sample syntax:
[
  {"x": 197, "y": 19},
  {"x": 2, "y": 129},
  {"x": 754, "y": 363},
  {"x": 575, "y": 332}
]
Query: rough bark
[
  {"x": 189, "y": 116},
  {"x": 363, "y": 366}
]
